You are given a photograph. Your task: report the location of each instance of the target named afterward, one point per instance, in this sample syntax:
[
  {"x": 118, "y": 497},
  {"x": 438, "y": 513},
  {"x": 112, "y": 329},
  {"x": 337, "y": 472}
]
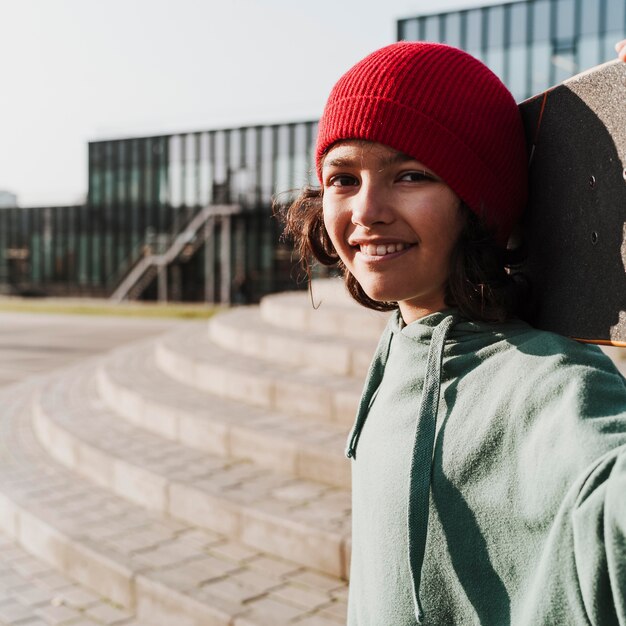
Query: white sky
[{"x": 76, "y": 70}]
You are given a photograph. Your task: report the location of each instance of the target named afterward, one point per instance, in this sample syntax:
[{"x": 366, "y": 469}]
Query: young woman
[{"x": 489, "y": 458}]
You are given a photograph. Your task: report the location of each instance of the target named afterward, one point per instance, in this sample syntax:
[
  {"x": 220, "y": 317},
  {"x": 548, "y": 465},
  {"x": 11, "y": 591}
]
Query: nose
[{"x": 370, "y": 206}]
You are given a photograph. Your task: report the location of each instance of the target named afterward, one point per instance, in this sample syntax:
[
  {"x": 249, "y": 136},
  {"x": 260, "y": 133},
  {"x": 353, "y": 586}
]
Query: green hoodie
[{"x": 489, "y": 479}]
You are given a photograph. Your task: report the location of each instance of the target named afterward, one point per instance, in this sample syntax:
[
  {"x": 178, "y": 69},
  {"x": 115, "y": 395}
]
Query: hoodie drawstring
[
  {"x": 424, "y": 443},
  {"x": 373, "y": 380},
  {"x": 421, "y": 462}
]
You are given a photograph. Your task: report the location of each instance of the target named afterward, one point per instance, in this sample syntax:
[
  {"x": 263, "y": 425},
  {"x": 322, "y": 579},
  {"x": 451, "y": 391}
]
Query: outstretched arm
[{"x": 620, "y": 47}]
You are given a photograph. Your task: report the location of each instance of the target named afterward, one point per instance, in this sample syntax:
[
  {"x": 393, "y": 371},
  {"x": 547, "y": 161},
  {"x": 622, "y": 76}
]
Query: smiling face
[{"x": 393, "y": 223}]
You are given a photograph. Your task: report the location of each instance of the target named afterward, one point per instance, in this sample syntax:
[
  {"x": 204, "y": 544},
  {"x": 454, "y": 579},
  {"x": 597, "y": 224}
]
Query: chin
[{"x": 379, "y": 294}]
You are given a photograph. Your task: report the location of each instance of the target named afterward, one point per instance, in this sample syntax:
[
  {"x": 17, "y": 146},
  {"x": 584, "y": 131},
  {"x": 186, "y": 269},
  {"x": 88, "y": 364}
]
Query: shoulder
[
  {"x": 546, "y": 351},
  {"x": 549, "y": 378}
]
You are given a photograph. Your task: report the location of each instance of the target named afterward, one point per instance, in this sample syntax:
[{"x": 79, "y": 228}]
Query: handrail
[{"x": 184, "y": 237}]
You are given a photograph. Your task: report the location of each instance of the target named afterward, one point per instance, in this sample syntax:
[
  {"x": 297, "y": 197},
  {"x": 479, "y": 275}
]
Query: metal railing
[{"x": 186, "y": 242}]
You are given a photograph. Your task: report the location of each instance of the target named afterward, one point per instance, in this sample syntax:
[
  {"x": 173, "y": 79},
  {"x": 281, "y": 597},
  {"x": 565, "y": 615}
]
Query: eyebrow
[{"x": 339, "y": 161}]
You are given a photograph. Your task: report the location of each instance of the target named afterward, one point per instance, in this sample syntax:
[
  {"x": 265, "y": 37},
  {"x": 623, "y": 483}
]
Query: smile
[{"x": 371, "y": 249}]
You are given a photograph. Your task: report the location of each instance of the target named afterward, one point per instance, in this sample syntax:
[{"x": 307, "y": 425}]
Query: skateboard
[{"x": 575, "y": 225}]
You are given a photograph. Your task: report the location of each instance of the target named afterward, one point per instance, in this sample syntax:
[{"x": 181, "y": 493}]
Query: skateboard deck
[{"x": 575, "y": 225}]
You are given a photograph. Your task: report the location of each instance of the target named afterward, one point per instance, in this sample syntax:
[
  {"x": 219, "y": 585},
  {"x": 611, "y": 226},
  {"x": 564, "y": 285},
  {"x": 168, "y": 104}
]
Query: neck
[{"x": 411, "y": 312}]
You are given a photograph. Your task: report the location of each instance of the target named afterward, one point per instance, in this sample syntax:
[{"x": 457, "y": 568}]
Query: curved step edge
[
  {"x": 59, "y": 549},
  {"x": 302, "y": 543},
  {"x": 295, "y": 311},
  {"x": 213, "y": 434},
  {"x": 325, "y": 353},
  {"x": 30, "y": 520},
  {"x": 335, "y": 400}
]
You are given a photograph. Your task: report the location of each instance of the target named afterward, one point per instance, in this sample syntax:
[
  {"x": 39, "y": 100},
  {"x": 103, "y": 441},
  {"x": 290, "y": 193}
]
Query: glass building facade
[
  {"x": 143, "y": 192},
  {"x": 532, "y": 44}
]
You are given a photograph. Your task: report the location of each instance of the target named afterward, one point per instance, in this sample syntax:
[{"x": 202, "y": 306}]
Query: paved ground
[
  {"x": 31, "y": 593},
  {"x": 32, "y": 343}
]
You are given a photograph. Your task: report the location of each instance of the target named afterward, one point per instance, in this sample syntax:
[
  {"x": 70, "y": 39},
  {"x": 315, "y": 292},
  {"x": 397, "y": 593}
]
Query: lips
[{"x": 371, "y": 249}]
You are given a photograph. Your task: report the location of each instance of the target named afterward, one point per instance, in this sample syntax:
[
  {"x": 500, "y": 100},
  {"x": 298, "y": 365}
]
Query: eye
[
  {"x": 342, "y": 180},
  {"x": 416, "y": 176}
]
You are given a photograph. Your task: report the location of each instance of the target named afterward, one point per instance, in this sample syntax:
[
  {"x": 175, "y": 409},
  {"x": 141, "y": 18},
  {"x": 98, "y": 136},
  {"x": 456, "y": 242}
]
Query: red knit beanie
[{"x": 444, "y": 108}]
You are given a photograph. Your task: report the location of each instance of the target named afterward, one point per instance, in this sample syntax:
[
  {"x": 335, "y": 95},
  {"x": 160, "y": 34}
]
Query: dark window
[
  {"x": 615, "y": 16},
  {"x": 433, "y": 32},
  {"x": 518, "y": 23},
  {"x": 474, "y": 31},
  {"x": 453, "y": 29},
  {"x": 565, "y": 19},
  {"x": 408, "y": 30},
  {"x": 495, "y": 25},
  {"x": 541, "y": 20},
  {"x": 590, "y": 17}
]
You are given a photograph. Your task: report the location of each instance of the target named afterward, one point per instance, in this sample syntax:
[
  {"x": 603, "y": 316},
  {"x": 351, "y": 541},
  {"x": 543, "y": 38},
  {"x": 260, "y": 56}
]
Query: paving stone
[
  {"x": 269, "y": 611},
  {"x": 192, "y": 574},
  {"x": 269, "y": 565},
  {"x": 13, "y": 611},
  {"x": 202, "y": 539},
  {"x": 232, "y": 590},
  {"x": 341, "y": 594},
  {"x": 56, "y": 614},
  {"x": 51, "y": 581},
  {"x": 301, "y": 596},
  {"x": 300, "y": 492},
  {"x": 134, "y": 542},
  {"x": 32, "y": 595},
  {"x": 164, "y": 603},
  {"x": 320, "y": 619},
  {"x": 254, "y": 581},
  {"x": 107, "y": 614},
  {"x": 78, "y": 597},
  {"x": 234, "y": 551},
  {"x": 337, "y": 610},
  {"x": 315, "y": 580},
  {"x": 12, "y": 580},
  {"x": 27, "y": 566}
]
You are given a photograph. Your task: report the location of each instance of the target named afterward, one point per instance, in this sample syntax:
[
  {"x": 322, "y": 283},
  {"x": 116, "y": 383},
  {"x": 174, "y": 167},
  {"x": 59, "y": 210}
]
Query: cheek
[
  {"x": 332, "y": 223},
  {"x": 451, "y": 223}
]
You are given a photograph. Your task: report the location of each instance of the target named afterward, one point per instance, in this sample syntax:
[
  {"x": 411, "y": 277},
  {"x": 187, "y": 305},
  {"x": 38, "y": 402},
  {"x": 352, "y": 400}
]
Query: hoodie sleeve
[{"x": 599, "y": 528}]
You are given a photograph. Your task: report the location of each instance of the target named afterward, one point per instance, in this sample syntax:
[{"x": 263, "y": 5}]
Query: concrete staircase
[
  {"x": 198, "y": 479},
  {"x": 193, "y": 480}
]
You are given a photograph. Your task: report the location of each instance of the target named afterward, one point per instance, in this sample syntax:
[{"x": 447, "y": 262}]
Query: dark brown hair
[{"x": 480, "y": 283}]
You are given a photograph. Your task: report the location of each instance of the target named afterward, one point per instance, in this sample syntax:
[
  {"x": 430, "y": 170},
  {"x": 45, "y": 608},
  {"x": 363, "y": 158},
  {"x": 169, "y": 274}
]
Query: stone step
[
  {"x": 243, "y": 330},
  {"x": 305, "y": 521},
  {"x": 341, "y": 316},
  {"x": 295, "y": 311},
  {"x": 131, "y": 384},
  {"x": 163, "y": 571},
  {"x": 32, "y": 593},
  {"x": 195, "y": 360},
  {"x": 331, "y": 290}
]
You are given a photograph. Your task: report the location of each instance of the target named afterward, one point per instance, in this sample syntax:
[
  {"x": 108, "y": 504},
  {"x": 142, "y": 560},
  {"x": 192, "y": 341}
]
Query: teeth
[{"x": 382, "y": 250}]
